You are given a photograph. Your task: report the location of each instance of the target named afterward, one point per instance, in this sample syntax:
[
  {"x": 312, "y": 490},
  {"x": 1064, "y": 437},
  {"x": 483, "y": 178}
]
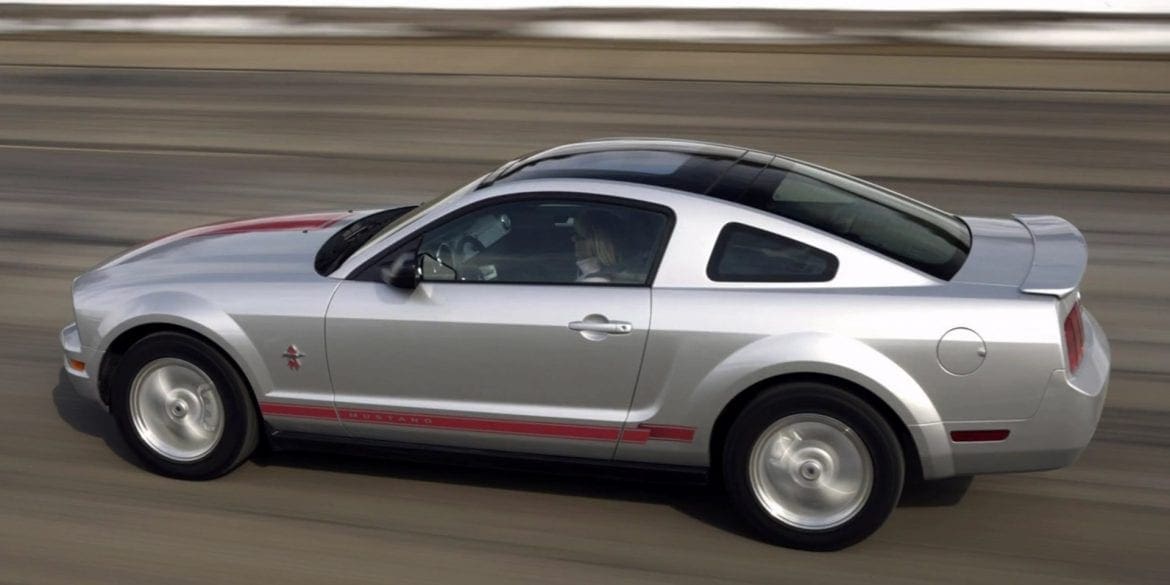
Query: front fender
[{"x": 192, "y": 312}]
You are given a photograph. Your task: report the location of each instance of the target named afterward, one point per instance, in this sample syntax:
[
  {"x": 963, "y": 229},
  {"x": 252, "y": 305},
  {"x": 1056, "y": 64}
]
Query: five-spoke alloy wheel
[
  {"x": 812, "y": 466},
  {"x": 183, "y": 407}
]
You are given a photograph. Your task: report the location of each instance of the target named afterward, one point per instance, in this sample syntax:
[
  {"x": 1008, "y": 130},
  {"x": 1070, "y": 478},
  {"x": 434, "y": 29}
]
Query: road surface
[{"x": 95, "y": 159}]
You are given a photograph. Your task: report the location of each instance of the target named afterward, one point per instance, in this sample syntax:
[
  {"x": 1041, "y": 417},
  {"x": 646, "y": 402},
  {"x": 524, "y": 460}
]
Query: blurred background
[{"x": 123, "y": 121}]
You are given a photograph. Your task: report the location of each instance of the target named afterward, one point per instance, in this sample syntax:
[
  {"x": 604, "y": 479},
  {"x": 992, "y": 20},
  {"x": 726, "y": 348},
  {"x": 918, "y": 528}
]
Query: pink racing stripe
[
  {"x": 638, "y": 435},
  {"x": 669, "y": 433},
  {"x": 298, "y": 410},
  {"x": 308, "y": 221},
  {"x": 483, "y": 425}
]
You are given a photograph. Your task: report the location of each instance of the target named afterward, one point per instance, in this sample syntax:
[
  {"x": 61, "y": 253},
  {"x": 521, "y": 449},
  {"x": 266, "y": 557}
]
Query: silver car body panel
[
  {"x": 485, "y": 352},
  {"x": 495, "y": 366}
]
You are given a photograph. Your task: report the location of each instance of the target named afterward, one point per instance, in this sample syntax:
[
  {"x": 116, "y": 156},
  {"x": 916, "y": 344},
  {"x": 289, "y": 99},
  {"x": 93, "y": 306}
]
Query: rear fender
[{"x": 847, "y": 359}]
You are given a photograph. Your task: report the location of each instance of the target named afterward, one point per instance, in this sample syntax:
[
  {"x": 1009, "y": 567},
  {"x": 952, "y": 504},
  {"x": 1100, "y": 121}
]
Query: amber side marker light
[
  {"x": 76, "y": 365},
  {"x": 979, "y": 436}
]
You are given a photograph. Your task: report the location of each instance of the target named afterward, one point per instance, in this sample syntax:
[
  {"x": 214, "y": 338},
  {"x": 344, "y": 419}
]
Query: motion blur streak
[{"x": 96, "y": 159}]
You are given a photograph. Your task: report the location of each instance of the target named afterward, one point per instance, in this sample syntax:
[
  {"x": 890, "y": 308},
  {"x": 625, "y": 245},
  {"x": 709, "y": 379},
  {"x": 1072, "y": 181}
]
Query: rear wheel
[
  {"x": 812, "y": 466},
  {"x": 183, "y": 408}
]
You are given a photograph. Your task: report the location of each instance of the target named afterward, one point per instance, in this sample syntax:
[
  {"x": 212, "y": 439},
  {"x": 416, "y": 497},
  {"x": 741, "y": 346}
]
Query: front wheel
[
  {"x": 183, "y": 408},
  {"x": 812, "y": 466}
]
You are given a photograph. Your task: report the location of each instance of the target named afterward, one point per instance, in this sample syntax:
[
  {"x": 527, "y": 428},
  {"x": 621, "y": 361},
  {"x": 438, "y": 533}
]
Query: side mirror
[{"x": 402, "y": 272}]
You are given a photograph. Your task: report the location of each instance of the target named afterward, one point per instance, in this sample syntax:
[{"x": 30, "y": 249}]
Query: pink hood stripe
[{"x": 308, "y": 221}]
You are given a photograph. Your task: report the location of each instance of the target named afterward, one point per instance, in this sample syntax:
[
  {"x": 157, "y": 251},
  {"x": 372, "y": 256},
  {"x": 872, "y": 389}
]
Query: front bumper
[
  {"x": 1061, "y": 428},
  {"x": 84, "y": 379}
]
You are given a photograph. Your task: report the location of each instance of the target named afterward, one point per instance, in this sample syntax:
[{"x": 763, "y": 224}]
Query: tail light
[{"x": 1074, "y": 337}]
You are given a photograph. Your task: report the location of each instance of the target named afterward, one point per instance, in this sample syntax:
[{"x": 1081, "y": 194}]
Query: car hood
[{"x": 282, "y": 244}]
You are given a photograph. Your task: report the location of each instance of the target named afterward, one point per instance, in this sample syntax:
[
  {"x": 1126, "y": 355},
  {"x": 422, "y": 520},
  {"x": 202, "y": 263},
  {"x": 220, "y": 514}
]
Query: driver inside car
[{"x": 595, "y": 245}]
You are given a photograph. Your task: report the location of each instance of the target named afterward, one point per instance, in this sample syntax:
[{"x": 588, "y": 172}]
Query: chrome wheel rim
[
  {"x": 176, "y": 409},
  {"x": 811, "y": 471}
]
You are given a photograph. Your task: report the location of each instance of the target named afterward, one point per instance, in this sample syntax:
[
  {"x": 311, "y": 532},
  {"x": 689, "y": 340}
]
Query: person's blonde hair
[{"x": 601, "y": 231}]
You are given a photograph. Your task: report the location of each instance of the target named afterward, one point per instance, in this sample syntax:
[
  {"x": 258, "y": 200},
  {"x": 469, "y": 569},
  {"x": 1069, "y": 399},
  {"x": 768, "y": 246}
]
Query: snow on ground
[
  {"x": 670, "y": 30},
  {"x": 1082, "y": 6},
  {"x": 1084, "y": 32},
  {"x": 225, "y": 25},
  {"x": 1090, "y": 35},
  {"x": 1114, "y": 36}
]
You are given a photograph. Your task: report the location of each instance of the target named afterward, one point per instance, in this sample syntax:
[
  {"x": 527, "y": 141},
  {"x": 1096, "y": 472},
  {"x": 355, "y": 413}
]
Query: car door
[{"x": 525, "y": 333}]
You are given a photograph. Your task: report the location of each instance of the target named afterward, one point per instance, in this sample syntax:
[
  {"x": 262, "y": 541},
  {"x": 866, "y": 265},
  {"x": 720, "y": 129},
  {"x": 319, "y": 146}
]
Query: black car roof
[{"x": 692, "y": 147}]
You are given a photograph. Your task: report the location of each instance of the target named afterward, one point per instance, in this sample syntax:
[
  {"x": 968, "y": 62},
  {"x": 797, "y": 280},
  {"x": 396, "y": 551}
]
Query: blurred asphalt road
[{"x": 95, "y": 159}]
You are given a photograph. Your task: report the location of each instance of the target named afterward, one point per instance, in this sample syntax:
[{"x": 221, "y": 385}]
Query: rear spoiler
[{"x": 1059, "y": 256}]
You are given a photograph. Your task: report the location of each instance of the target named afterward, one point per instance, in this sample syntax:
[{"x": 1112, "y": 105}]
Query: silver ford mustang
[{"x": 809, "y": 339}]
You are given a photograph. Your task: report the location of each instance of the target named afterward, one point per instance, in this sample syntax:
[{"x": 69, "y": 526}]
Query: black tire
[
  {"x": 811, "y": 398},
  {"x": 241, "y": 426}
]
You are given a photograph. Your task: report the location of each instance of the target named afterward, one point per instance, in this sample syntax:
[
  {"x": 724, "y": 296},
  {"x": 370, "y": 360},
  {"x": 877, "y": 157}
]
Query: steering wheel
[
  {"x": 443, "y": 257},
  {"x": 443, "y": 254},
  {"x": 469, "y": 241}
]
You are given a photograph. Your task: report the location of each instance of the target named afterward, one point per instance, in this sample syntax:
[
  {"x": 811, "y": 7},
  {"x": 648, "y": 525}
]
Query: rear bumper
[
  {"x": 1059, "y": 431},
  {"x": 84, "y": 379}
]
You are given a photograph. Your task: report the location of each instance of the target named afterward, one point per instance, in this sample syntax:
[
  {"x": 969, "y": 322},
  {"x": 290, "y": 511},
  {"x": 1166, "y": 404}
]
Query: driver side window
[
  {"x": 448, "y": 252},
  {"x": 546, "y": 242}
]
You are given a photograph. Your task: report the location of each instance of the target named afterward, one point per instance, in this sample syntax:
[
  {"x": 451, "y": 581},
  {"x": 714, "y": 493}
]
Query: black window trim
[
  {"x": 728, "y": 231},
  {"x": 368, "y": 271}
]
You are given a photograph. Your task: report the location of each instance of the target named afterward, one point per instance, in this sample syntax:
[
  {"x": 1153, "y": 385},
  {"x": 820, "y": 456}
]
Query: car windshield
[
  {"x": 411, "y": 215},
  {"x": 342, "y": 244}
]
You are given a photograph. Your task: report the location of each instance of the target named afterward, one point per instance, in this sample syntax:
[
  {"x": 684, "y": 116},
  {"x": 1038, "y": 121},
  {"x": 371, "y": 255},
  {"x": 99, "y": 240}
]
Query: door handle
[{"x": 611, "y": 327}]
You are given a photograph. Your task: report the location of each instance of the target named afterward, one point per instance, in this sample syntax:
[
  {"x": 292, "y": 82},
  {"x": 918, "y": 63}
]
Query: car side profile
[{"x": 808, "y": 339}]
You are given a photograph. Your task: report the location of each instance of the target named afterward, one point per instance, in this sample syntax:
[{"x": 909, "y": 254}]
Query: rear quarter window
[{"x": 747, "y": 254}]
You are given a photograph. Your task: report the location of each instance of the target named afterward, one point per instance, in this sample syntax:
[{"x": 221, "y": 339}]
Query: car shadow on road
[
  {"x": 705, "y": 502},
  {"x": 697, "y": 500},
  {"x": 86, "y": 417},
  {"x": 936, "y": 493}
]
